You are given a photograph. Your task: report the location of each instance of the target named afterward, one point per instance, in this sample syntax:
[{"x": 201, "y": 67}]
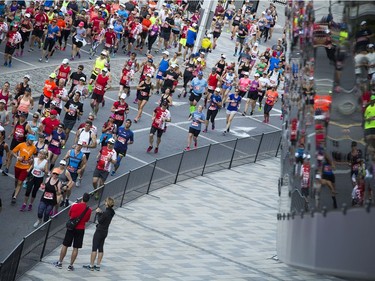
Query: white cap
[
  {"x": 27, "y": 76},
  {"x": 173, "y": 65},
  {"x": 370, "y": 46},
  {"x": 149, "y": 75},
  {"x": 165, "y": 53},
  {"x": 256, "y": 44},
  {"x": 27, "y": 15},
  {"x": 318, "y": 176},
  {"x": 65, "y": 61},
  {"x": 102, "y": 5},
  {"x": 111, "y": 26},
  {"x": 311, "y": 78},
  {"x": 123, "y": 96},
  {"x": 223, "y": 56},
  {"x": 246, "y": 73},
  {"x": 80, "y": 142},
  {"x": 194, "y": 24},
  {"x": 62, "y": 162},
  {"x": 217, "y": 89},
  {"x": 105, "y": 69},
  {"x": 3, "y": 101},
  {"x": 256, "y": 74},
  {"x": 122, "y": 5},
  {"x": 209, "y": 35},
  {"x": 363, "y": 22},
  {"x": 111, "y": 140}
]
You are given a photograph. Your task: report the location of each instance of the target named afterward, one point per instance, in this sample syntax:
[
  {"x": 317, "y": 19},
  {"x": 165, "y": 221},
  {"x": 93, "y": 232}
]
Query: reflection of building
[{"x": 325, "y": 240}]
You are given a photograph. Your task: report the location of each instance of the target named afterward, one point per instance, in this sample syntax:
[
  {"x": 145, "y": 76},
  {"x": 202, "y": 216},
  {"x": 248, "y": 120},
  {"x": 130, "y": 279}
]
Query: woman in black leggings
[{"x": 104, "y": 220}]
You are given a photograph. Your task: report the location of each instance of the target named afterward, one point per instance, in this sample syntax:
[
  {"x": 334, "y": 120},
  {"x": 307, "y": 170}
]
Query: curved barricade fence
[{"x": 136, "y": 183}]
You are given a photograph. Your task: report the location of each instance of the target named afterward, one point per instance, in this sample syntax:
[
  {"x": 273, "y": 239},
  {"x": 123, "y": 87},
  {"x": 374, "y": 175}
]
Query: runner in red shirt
[
  {"x": 63, "y": 71},
  {"x": 120, "y": 109},
  {"x": 106, "y": 158},
  {"x": 50, "y": 123},
  {"x": 110, "y": 39},
  {"x": 40, "y": 21},
  {"x": 102, "y": 84},
  {"x": 126, "y": 76},
  {"x": 159, "y": 118}
]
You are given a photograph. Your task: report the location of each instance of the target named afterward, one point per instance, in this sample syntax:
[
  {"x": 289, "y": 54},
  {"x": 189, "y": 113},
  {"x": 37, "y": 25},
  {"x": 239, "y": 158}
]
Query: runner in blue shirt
[
  {"x": 163, "y": 66},
  {"x": 53, "y": 31},
  {"x": 197, "y": 118},
  {"x": 198, "y": 88},
  {"x": 234, "y": 101},
  {"x": 125, "y": 136}
]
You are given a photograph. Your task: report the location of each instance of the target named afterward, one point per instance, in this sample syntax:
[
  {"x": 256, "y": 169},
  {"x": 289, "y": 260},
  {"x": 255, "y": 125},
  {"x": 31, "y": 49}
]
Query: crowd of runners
[{"x": 40, "y": 128}]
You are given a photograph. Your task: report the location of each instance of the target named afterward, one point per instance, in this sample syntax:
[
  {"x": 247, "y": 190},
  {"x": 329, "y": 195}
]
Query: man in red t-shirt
[
  {"x": 40, "y": 21},
  {"x": 50, "y": 123},
  {"x": 76, "y": 235},
  {"x": 159, "y": 118}
]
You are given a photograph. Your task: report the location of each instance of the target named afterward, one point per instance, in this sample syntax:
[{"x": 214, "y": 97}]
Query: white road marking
[{"x": 14, "y": 58}]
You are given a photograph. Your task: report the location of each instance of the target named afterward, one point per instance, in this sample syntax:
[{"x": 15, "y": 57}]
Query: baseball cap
[
  {"x": 52, "y": 75},
  {"x": 111, "y": 27},
  {"x": 214, "y": 69},
  {"x": 111, "y": 140},
  {"x": 217, "y": 90},
  {"x": 256, "y": 75},
  {"x": 104, "y": 53},
  {"x": 149, "y": 75},
  {"x": 62, "y": 162},
  {"x": 246, "y": 73},
  {"x": 3, "y": 101},
  {"x": 173, "y": 65},
  {"x": 27, "y": 77},
  {"x": 363, "y": 22},
  {"x": 150, "y": 60},
  {"x": 65, "y": 61},
  {"x": 31, "y": 137},
  {"x": 79, "y": 142},
  {"x": 105, "y": 69},
  {"x": 54, "y": 102},
  {"x": 318, "y": 177},
  {"x": 78, "y": 92},
  {"x": 165, "y": 53},
  {"x": 82, "y": 79},
  {"x": 200, "y": 73},
  {"x": 53, "y": 112},
  {"x": 56, "y": 171},
  {"x": 81, "y": 23},
  {"x": 223, "y": 56},
  {"x": 256, "y": 44},
  {"x": 123, "y": 96}
]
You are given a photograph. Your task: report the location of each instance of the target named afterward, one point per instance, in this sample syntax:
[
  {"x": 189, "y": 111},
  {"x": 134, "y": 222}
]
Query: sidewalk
[{"x": 200, "y": 229}]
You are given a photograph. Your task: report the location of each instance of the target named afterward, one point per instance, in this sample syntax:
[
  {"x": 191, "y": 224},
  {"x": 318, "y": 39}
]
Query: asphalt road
[{"x": 173, "y": 141}]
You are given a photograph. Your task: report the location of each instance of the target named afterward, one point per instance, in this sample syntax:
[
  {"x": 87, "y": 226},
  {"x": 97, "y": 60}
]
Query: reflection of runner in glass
[
  {"x": 234, "y": 101},
  {"x": 159, "y": 118},
  {"x": 125, "y": 136},
  {"x": 197, "y": 118},
  {"x": 214, "y": 103}
]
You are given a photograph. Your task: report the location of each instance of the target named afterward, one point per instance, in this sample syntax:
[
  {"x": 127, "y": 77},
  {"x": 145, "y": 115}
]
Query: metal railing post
[
  {"x": 205, "y": 161},
  {"x": 152, "y": 175},
  {"x": 18, "y": 261},
  {"x": 260, "y": 143},
  {"x": 278, "y": 147},
  {"x": 45, "y": 240},
  {"x": 179, "y": 167},
  {"x": 126, "y": 185},
  {"x": 232, "y": 157}
]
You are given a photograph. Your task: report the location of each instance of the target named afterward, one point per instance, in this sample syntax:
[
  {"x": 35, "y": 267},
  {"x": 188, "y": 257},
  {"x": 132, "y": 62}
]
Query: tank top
[
  {"x": 101, "y": 82},
  {"x": 74, "y": 161},
  {"x": 63, "y": 178},
  {"x": 99, "y": 64},
  {"x": 229, "y": 77},
  {"x": 63, "y": 72},
  {"x": 220, "y": 67},
  {"x": 164, "y": 98},
  {"x": 38, "y": 170},
  {"x": 49, "y": 194},
  {"x": 212, "y": 81},
  {"x": 146, "y": 91},
  {"x": 24, "y": 105},
  {"x": 4, "y": 97},
  {"x": 85, "y": 137},
  {"x": 245, "y": 68},
  {"x": 190, "y": 67},
  {"x": 254, "y": 54},
  {"x": 39, "y": 148},
  {"x": 20, "y": 132}
]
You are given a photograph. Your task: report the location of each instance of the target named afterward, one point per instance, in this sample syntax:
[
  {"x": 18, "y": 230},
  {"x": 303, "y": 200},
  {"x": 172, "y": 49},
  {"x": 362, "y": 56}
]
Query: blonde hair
[{"x": 110, "y": 202}]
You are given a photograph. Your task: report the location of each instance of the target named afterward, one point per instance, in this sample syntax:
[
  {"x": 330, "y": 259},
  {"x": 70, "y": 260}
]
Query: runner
[
  {"x": 125, "y": 136},
  {"x": 109, "y": 130},
  {"x": 197, "y": 118},
  {"x": 244, "y": 84},
  {"x": 87, "y": 137},
  {"x": 234, "y": 101},
  {"x": 143, "y": 94},
  {"x": 13, "y": 38},
  {"x": 37, "y": 170},
  {"x": 53, "y": 32},
  {"x": 160, "y": 116},
  {"x": 45, "y": 98},
  {"x": 271, "y": 98},
  {"x": 106, "y": 158},
  {"x": 75, "y": 161},
  {"x": 66, "y": 184},
  {"x": 102, "y": 84},
  {"x": 162, "y": 68},
  {"x": 198, "y": 88},
  {"x": 54, "y": 148},
  {"x": 252, "y": 95},
  {"x": 24, "y": 153},
  {"x": 120, "y": 110},
  {"x": 214, "y": 105}
]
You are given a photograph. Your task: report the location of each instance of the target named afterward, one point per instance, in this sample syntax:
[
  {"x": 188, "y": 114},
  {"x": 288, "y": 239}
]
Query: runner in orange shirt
[
  {"x": 45, "y": 98},
  {"x": 24, "y": 153},
  {"x": 271, "y": 98}
]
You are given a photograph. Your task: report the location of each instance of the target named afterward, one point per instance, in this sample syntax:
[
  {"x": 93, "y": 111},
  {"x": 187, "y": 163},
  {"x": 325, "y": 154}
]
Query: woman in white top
[
  {"x": 254, "y": 53},
  {"x": 36, "y": 171}
]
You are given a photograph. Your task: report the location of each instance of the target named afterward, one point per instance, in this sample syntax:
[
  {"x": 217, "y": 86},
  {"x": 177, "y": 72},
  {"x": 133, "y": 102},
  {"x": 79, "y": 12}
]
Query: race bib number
[
  {"x": 48, "y": 195},
  {"x": 210, "y": 87},
  {"x": 212, "y": 107},
  {"x": 71, "y": 169},
  {"x": 55, "y": 143},
  {"x": 160, "y": 73},
  {"x": 144, "y": 94},
  {"x": 45, "y": 99},
  {"x": 98, "y": 87},
  {"x": 119, "y": 117},
  {"x": 121, "y": 139},
  {"x": 195, "y": 123},
  {"x": 37, "y": 173},
  {"x": 233, "y": 104}
]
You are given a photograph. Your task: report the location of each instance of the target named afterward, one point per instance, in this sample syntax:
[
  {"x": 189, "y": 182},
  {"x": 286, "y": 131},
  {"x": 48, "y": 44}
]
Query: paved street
[{"x": 19, "y": 224}]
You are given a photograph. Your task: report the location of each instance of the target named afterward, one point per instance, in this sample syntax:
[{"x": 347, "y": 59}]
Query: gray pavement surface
[
  {"x": 206, "y": 228},
  {"x": 20, "y": 224}
]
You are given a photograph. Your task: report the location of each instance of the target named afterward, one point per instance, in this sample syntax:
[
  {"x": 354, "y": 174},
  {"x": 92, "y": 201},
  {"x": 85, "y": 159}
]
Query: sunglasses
[
  {"x": 35, "y": 116},
  {"x": 61, "y": 127},
  {"x": 55, "y": 174},
  {"x": 91, "y": 119},
  {"x": 62, "y": 164},
  {"x": 80, "y": 68}
]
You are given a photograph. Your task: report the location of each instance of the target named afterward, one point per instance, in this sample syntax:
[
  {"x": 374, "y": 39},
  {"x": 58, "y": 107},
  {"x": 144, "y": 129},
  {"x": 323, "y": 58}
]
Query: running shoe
[
  {"x": 62, "y": 203},
  {"x": 251, "y": 113},
  {"x": 156, "y": 150},
  {"x": 57, "y": 264},
  {"x": 36, "y": 224},
  {"x": 224, "y": 133},
  {"x": 23, "y": 207},
  {"x": 70, "y": 267},
  {"x": 10, "y": 65},
  {"x": 5, "y": 172},
  {"x": 89, "y": 267},
  {"x": 244, "y": 113},
  {"x": 67, "y": 202},
  {"x": 97, "y": 267},
  {"x": 113, "y": 173},
  {"x": 205, "y": 131},
  {"x": 260, "y": 108},
  {"x": 13, "y": 202},
  {"x": 78, "y": 182},
  {"x": 187, "y": 148},
  {"x": 5, "y": 64},
  {"x": 30, "y": 207},
  {"x": 149, "y": 148},
  {"x": 195, "y": 143},
  {"x": 213, "y": 126}
]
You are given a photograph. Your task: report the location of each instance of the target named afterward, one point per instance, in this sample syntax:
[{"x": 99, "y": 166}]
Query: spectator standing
[
  {"x": 75, "y": 237},
  {"x": 101, "y": 233}
]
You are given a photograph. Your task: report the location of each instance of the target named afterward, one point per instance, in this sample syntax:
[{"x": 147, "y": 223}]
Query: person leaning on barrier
[
  {"x": 76, "y": 235},
  {"x": 101, "y": 232}
]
